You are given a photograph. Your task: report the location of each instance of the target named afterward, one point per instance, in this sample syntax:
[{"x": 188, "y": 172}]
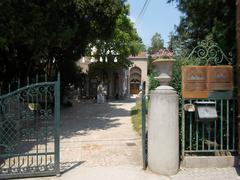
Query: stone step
[{"x": 210, "y": 161}]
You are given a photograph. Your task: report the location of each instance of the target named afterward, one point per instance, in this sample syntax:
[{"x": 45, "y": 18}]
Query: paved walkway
[
  {"x": 100, "y": 135},
  {"x": 207, "y": 174},
  {"x": 98, "y": 143}
]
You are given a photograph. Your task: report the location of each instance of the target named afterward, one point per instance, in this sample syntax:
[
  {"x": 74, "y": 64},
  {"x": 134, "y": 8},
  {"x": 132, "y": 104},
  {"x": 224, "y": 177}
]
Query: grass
[{"x": 136, "y": 118}]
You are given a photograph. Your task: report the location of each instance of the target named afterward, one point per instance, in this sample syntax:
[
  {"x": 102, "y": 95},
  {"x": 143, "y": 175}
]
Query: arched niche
[{"x": 135, "y": 79}]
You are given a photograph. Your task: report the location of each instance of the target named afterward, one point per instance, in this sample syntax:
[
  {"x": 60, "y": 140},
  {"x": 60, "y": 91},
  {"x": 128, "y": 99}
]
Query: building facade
[
  {"x": 137, "y": 73},
  {"x": 119, "y": 83}
]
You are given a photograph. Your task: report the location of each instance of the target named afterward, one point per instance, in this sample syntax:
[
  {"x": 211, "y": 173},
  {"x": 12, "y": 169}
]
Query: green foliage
[
  {"x": 176, "y": 81},
  {"x": 136, "y": 118},
  {"x": 153, "y": 83},
  {"x": 157, "y": 43},
  {"x": 206, "y": 19},
  {"x": 33, "y": 33},
  {"x": 100, "y": 68},
  {"x": 125, "y": 42}
]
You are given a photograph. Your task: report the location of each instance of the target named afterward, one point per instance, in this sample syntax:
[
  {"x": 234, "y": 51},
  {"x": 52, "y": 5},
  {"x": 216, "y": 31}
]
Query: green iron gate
[
  {"x": 29, "y": 130},
  {"x": 144, "y": 127},
  {"x": 214, "y": 137}
]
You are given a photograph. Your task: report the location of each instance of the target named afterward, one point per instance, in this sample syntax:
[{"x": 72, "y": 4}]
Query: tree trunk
[{"x": 238, "y": 69}]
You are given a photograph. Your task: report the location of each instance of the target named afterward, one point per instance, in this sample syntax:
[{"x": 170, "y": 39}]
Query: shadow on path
[
  {"x": 86, "y": 116},
  {"x": 67, "y": 166}
]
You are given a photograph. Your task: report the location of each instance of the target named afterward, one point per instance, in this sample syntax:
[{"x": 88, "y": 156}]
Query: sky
[{"x": 159, "y": 16}]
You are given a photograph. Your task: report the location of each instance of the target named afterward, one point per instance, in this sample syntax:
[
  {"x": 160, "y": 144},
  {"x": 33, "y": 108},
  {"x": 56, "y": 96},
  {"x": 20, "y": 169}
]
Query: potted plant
[{"x": 163, "y": 62}]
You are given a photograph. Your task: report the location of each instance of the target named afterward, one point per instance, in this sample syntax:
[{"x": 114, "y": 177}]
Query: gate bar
[
  {"x": 57, "y": 126},
  {"x": 144, "y": 126}
]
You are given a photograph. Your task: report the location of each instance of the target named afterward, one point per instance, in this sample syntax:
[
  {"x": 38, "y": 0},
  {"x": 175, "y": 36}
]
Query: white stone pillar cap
[{"x": 164, "y": 90}]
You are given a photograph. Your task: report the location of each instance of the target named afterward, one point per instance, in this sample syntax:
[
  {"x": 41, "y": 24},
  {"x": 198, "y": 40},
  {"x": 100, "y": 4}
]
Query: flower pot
[{"x": 164, "y": 69}]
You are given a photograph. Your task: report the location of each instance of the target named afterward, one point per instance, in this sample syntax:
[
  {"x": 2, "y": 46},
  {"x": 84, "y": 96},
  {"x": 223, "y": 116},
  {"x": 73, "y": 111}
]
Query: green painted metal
[
  {"x": 215, "y": 130},
  {"x": 208, "y": 52},
  {"x": 29, "y": 129},
  {"x": 144, "y": 132},
  {"x": 227, "y": 125},
  {"x": 57, "y": 125},
  {"x": 183, "y": 129},
  {"x": 196, "y": 135},
  {"x": 203, "y": 136},
  {"x": 212, "y": 136},
  {"x": 190, "y": 128},
  {"x": 233, "y": 122},
  {"x": 221, "y": 95},
  {"x": 221, "y": 127}
]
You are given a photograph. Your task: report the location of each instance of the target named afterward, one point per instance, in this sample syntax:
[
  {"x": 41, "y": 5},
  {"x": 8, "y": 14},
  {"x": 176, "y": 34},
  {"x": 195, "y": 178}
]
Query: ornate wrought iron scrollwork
[
  {"x": 28, "y": 126},
  {"x": 209, "y": 52}
]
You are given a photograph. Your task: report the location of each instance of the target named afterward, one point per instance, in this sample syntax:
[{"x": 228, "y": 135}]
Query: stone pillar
[
  {"x": 163, "y": 131},
  {"x": 238, "y": 67}
]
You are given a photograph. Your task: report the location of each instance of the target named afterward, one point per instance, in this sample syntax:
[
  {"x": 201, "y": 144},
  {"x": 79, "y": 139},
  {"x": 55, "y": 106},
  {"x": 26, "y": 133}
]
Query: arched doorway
[{"x": 135, "y": 80}]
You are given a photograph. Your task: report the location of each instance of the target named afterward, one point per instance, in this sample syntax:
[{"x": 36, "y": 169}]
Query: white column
[{"x": 163, "y": 131}]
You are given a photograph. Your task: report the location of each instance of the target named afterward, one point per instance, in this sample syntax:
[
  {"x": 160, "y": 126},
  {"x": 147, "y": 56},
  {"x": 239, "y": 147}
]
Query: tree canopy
[
  {"x": 206, "y": 19},
  {"x": 125, "y": 42},
  {"x": 37, "y": 35},
  {"x": 157, "y": 43}
]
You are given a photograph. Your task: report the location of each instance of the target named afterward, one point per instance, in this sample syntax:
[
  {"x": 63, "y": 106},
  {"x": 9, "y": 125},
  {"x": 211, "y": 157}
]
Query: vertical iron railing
[
  {"x": 144, "y": 132},
  {"x": 29, "y": 129},
  {"x": 57, "y": 126},
  {"x": 216, "y": 136}
]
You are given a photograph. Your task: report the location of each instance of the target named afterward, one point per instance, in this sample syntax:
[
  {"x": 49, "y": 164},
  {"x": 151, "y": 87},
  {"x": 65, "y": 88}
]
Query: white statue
[{"x": 101, "y": 93}]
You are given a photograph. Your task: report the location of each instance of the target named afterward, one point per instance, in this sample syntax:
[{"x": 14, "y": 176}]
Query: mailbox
[{"x": 205, "y": 111}]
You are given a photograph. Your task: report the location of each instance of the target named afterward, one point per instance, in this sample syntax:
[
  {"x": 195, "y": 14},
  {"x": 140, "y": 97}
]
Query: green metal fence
[
  {"x": 144, "y": 127},
  {"x": 29, "y": 130},
  {"x": 211, "y": 137}
]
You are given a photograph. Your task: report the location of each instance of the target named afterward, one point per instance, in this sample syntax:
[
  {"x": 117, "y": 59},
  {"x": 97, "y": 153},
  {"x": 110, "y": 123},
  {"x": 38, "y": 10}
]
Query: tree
[
  {"x": 207, "y": 19},
  {"x": 176, "y": 45},
  {"x": 157, "y": 43},
  {"x": 125, "y": 42},
  {"x": 36, "y": 35}
]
